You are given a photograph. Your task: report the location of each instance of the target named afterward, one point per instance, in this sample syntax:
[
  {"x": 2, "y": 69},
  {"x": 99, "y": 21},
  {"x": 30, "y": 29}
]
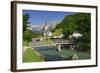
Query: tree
[
  {"x": 79, "y": 22},
  {"x": 57, "y": 32},
  {"x": 68, "y": 25},
  {"x": 25, "y": 21},
  {"x": 28, "y": 35},
  {"x": 84, "y": 27}
]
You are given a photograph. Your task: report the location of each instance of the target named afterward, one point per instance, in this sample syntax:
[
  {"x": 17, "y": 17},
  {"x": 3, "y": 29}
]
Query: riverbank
[
  {"x": 41, "y": 54},
  {"x": 51, "y": 54},
  {"x": 31, "y": 56}
]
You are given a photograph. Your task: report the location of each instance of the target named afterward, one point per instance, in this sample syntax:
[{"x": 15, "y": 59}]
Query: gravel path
[{"x": 25, "y": 48}]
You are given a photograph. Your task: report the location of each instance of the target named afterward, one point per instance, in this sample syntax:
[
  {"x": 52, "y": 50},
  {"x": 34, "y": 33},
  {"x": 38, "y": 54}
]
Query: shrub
[
  {"x": 28, "y": 35},
  {"x": 83, "y": 47}
]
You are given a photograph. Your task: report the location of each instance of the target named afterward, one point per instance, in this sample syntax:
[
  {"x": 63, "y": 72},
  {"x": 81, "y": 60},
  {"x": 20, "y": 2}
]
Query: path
[{"x": 25, "y": 48}]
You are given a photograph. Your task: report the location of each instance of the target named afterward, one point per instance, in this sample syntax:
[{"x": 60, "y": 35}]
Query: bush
[
  {"x": 28, "y": 35},
  {"x": 83, "y": 47}
]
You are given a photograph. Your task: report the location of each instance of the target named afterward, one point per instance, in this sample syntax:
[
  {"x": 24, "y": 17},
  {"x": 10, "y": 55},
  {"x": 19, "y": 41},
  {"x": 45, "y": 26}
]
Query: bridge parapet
[{"x": 62, "y": 41}]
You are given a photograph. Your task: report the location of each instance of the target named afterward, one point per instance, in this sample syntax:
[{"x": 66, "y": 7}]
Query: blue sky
[{"x": 40, "y": 17}]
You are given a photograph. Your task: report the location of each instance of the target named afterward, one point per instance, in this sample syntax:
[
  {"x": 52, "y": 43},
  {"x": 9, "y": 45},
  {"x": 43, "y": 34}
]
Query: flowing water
[{"x": 49, "y": 54}]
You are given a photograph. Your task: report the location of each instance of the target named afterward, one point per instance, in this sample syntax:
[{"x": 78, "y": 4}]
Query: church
[{"x": 46, "y": 33}]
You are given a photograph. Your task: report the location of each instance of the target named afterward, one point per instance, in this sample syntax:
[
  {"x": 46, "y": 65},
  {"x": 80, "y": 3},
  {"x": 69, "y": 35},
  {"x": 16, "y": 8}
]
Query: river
[{"x": 49, "y": 54}]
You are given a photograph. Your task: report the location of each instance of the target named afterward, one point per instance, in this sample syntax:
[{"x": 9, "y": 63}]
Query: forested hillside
[{"x": 79, "y": 22}]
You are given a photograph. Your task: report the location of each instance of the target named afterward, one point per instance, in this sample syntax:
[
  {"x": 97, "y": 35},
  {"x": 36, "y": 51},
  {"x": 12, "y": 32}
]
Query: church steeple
[{"x": 45, "y": 28}]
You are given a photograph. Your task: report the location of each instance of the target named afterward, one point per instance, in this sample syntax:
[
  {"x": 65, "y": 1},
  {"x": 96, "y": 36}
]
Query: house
[
  {"x": 60, "y": 36},
  {"x": 76, "y": 35},
  {"x": 49, "y": 33}
]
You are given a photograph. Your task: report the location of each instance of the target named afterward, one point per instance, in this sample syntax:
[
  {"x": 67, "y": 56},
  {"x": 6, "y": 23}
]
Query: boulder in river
[{"x": 75, "y": 57}]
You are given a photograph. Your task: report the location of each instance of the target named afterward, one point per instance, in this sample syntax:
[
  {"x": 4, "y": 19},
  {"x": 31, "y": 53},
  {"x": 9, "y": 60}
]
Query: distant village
[{"x": 47, "y": 31}]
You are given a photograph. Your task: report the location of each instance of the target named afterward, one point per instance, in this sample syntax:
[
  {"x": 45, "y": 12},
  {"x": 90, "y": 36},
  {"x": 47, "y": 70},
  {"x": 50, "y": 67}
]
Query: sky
[{"x": 40, "y": 17}]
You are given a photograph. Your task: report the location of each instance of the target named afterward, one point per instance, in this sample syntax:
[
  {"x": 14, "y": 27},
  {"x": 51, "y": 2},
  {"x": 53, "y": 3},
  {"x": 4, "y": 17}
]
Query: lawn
[{"x": 31, "y": 56}]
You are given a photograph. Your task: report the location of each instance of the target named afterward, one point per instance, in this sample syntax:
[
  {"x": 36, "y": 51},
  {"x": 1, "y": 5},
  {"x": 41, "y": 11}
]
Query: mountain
[{"x": 40, "y": 28}]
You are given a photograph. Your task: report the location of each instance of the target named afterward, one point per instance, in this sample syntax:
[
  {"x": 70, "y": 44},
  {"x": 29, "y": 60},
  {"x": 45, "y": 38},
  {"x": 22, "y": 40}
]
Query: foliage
[
  {"x": 26, "y": 43},
  {"x": 31, "y": 56},
  {"x": 82, "y": 55},
  {"x": 57, "y": 32},
  {"x": 79, "y": 22},
  {"x": 84, "y": 26},
  {"x": 68, "y": 25},
  {"x": 28, "y": 35},
  {"x": 81, "y": 46},
  {"x": 25, "y": 21}
]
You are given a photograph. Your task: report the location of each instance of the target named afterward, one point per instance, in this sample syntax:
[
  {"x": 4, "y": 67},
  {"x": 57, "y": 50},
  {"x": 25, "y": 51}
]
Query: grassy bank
[{"x": 31, "y": 56}]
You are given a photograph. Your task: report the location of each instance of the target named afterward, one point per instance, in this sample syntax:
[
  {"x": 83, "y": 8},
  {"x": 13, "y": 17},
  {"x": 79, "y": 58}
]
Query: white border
[{"x": 21, "y": 65}]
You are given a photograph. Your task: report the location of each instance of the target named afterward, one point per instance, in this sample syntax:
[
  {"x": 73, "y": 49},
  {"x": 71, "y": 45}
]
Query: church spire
[{"x": 46, "y": 26}]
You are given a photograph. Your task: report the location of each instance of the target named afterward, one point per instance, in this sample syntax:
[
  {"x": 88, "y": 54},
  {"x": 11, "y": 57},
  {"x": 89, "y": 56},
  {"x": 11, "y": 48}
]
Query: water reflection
[{"x": 49, "y": 54}]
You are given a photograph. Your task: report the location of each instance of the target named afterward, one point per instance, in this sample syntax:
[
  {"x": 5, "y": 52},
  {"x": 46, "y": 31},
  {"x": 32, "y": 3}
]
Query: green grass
[
  {"x": 82, "y": 55},
  {"x": 31, "y": 56}
]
